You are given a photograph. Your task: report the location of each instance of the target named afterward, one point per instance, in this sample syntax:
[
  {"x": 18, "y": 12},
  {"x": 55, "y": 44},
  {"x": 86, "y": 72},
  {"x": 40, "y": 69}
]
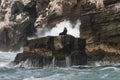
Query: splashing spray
[{"x": 71, "y": 29}]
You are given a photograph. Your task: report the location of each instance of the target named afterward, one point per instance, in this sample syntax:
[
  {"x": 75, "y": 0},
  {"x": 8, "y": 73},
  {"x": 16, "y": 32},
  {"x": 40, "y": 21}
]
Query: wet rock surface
[
  {"x": 16, "y": 24},
  {"x": 62, "y": 51}
]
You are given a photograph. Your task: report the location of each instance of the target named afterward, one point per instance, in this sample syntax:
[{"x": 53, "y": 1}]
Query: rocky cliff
[
  {"x": 100, "y": 24},
  {"x": 100, "y": 21},
  {"x": 16, "y": 23},
  {"x": 101, "y": 29}
]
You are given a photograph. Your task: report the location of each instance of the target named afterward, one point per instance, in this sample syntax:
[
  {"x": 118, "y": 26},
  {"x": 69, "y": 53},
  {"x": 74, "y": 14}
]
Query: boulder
[{"x": 59, "y": 50}]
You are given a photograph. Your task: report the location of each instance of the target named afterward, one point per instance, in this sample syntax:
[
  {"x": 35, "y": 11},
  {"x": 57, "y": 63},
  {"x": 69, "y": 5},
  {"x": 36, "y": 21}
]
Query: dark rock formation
[
  {"x": 16, "y": 9},
  {"x": 42, "y": 4},
  {"x": 13, "y": 38},
  {"x": 17, "y": 23},
  {"x": 62, "y": 48},
  {"x": 108, "y": 2}
]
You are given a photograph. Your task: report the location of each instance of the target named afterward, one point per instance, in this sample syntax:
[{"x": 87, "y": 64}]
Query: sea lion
[{"x": 64, "y": 32}]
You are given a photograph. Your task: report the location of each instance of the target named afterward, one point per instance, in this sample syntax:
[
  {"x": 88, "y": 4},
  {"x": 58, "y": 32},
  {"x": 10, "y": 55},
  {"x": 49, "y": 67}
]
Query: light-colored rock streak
[
  {"x": 6, "y": 6},
  {"x": 25, "y": 1},
  {"x": 1, "y": 2},
  {"x": 117, "y": 7},
  {"x": 6, "y": 21},
  {"x": 99, "y": 3},
  {"x": 56, "y": 6}
]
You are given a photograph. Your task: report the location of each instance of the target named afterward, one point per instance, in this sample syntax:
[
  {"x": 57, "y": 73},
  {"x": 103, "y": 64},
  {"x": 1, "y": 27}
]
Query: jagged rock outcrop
[
  {"x": 101, "y": 29},
  {"x": 55, "y": 11},
  {"x": 16, "y": 23},
  {"x": 43, "y": 51}
]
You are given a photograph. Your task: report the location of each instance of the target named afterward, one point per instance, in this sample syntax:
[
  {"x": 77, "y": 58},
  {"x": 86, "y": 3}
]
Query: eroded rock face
[
  {"x": 54, "y": 11},
  {"x": 28, "y": 14},
  {"x": 44, "y": 50},
  {"x": 16, "y": 23},
  {"x": 23, "y": 13},
  {"x": 101, "y": 29}
]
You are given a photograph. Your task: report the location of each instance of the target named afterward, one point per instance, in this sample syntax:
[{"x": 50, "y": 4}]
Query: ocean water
[{"x": 9, "y": 72}]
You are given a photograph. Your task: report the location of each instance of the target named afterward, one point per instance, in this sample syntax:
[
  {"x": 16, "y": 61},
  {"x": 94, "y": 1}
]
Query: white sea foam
[
  {"x": 68, "y": 61},
  {"x": 25, "y": 64},
  {"x": 104, "y": 76},
  {"x": 53, "y": 77},
  {"x": 31, "y": 78},
  {"x": 106, "y": 68},
  {"x": 101, "y": 63},
  {"x": 7, "y": 57},
  {"x": 60, "y": 74}
]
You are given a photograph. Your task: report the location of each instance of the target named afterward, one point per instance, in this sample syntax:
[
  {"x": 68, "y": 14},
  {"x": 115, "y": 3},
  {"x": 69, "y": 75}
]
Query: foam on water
[
  {"x": 68, "y": 62},
  {"x": 104, "y": 76},
  {"x": 25, "y": 64},
  {"x": 7, "y": 57},
  {"x": 59, "y": 74},
  {"x": 56, "y": 76},
  {"x": 107, "y": 68}
]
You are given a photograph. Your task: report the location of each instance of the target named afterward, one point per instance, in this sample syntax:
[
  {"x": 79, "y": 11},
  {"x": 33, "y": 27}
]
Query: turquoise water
[{"x": 8, "y": 72}]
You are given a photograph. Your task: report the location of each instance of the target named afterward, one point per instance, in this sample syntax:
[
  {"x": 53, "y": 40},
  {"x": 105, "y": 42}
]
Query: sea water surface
[{"x": 8, "y": 72}]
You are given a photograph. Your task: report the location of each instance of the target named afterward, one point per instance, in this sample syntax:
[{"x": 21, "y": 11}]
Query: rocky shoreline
[{"x": 99, "y": 31}]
